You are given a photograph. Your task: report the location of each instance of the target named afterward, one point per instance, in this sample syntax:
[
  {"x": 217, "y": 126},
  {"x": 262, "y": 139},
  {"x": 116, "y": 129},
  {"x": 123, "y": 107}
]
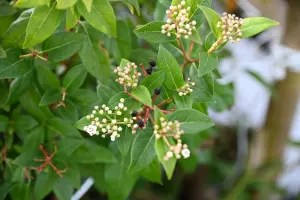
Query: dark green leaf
[
  {"x": 92, "y": 153},
  {"x": 50, "y": 97},
  {"x": 192, "y": 121},
  {"x": 151, "y": 32},
  {"x": 69, "y": 112},
  {"x": 101, "y": 16},
  {"x": 74, "y": 78},
  {"x": 155, "y": 80},
  {"x": 142, "y": 150},
  {"x": 130, "y": 103},
  {"x": 4, "y": 123},
  {"x": 185, "y": 101},
  {"x": 44, "y": 184},
  {"x": 34, "y": 139},
  {"x": 67, "y": 146},
  {"x": 105, "y": 93},
  {"x": 62, "y": 45},
  {"x": 72, "y": 175},
  {"x": 5, "y": 188},
  {"x": 125, "y": 141},
  {"x": 224, "y": 96},
  {"x": 4, "y": 92},
  {"x": 47, "y": 79},
  {"x": 13, "y": 66},
  {"x": 208, "y": 62},
  {"x": 202, "y": 96},
  {"x": 63, "y": 128},
  {"x": 255, "y": 25},
  {"x": 42, "y": 23},
  {"x": 94, "y": 58},
  {"x": 63, "y": 190},
  {"x": 142, "y": 94},
  {"x": 173, "y": 72},
  {"x": 24, "y": 123},
  {"x": 152, "y": 172},
  {"x": 2, "y": 53}
]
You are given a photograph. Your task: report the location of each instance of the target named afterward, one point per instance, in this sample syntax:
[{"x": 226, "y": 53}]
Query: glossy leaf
[
  {"x": 142, "y": 94},
  {"x": 152, "y": 172},
  {"x": 208, "y": 62},
  {"x": 4, "y": 123},
  {"x": 64, "y": 4},
  {"x": 130, "y": 103},
  {"x": 154, "y": 81},
  {"x": 47, "y": 79},
  {"x": 30, "y": 3},
  {"x": 125, "y": 141},
  {"x": 142, "y": 151},
  {"x": 50, "y": 97},
  {"x": 191, "y": 121},
  {"x": 185, "y": 101},
  {"x": 42, "y": 23},
  {"x": 74, "y": 78},
  {"x": 63, "y": 128},
  {"x": 212, "y": 18},
  {"x": 13, "y": 66},
  {"x": 24, "y": 123},
  {"x": 62, "y": 45},
  {"x": 161, "y": 150},
  {"x": 255, "y": 25},
  {"x": 72, "y": 17},
  {"x": 151, "y": 32},
  {"x": 101, "y": 16},
  {"x": 167, "y": 63}
]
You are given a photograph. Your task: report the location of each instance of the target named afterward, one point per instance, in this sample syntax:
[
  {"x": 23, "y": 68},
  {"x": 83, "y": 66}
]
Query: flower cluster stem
[
  {"x": 186, "y": 56},
  {"x": 215, "y": 46}
]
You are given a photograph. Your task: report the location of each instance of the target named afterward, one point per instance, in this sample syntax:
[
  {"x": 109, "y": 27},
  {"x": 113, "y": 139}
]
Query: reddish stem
[{"x": 143, "y": 69}]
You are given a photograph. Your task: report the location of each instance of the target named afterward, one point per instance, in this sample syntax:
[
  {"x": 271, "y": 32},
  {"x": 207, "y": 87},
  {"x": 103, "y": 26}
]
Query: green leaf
[
  {"x": 151, "y": 32},
  {"x": 74, "y": 78},
  {"x": 69, "y": 112},
  {"x": 34, "y": 139},
  {"x": 185, "y": 101},
  {"x": 173, "y": 73},
  {"x": 30, "y": 3},
  {"x": 47, "y": 79},
  {"x": 64, "y": 128},
  {"x": 85, "y": 97},
  {"x": 4, "y": 92},
  {"x": 13, "y": 66},
  {"x": 142, "y": 94},
  {"x": 2, "y": 53},
  {"x": 125, "y": 141},
  {"x": 208, "y": 62},
  {"x": 72, "y": 175},
  {"x": 132, "y": 3},
  {"x": 142, "y": 150},
  {"x": 161, "y": 150},
  {"x": 66, "y": 147},
  {"x": 130, "y": 103},
  {"x": 191, "y": 121},
  {"x": 88, "y": 4},
  {"x": 63, "y": 190},
  {"x": 42, "y": 23},
  {"x": 155, "y": 80},
  {"x": 44, "y": 184},
  {"x": 157, "y": 115},
  {"x": 50, "y": 97},
  {"x": 202, "y": 96},
  {"x": 64, "y": 4},
  {"x": 152, "y": 172},
  {"x": 80, "y": 124},
  {"x": 62, "y": 45},
  {"x": 25, "y": 159},
  {"x": 4, "y": 123},
  {"x": 24, "y": 123},
  {"x": 5, "y": 188},
  {"x": 255, "y": 25},
  {"x": 15, "y": 35},
  {"x": 30, "y": 101},
  {"x": 105, "y": 93},
  {"x": 92, "y": 153},
  {"x": 212, "y": 18},
  {"x": 101, "y": 16},
  {"x": 18, "y": 86},
  {"x": 95, "y": 60},
  {"x": 72, "y": 17},
  {"x": 224, "y": 96}
]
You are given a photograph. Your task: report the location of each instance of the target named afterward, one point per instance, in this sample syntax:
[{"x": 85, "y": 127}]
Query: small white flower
[
  {"x": 121, "y": 105},
  {"x": 185, "y": 153},
  {"x": 113, "y": 121}
]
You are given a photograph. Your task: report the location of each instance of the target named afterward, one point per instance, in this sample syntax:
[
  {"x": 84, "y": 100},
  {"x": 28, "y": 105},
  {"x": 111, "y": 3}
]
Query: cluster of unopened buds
[
  {"x": 231, "y": 27},
  {"x": 104, "y": 121},
  {"x": 187, "y": 88},
  {"x": 178, "y": 21},
  {"x": 171, "y": 130},
  {"x": 128, "y": 76}
]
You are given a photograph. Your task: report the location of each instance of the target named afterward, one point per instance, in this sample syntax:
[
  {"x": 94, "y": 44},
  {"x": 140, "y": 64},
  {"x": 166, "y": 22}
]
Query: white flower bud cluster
[
  {"x": 172, "y": 130},
  {"x": 187, "y": 88},
  {"x": 178, "y": 21},
  {"x": 104, "y": 120},
  {"x": 231, "y": 27},
  {"x": 129, "y": 76}
]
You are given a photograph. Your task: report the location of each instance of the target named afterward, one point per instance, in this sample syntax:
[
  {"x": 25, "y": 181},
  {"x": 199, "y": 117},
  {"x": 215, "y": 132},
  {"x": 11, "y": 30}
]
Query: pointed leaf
[
  {"x": 154, "y": 81},
  {"x": 72, "y": 17},
  {"x": 125, "y": 141},
  {"x": 255, "y": 25},
  {"x": 212, "y": 18},
  {"x": 64, "y": 4},
  {"x": 74, "y": 78},
  {"x": 208, "y": 62},
  {"x": 185, "y": 101},
  {"x": 142, "y": 94}
]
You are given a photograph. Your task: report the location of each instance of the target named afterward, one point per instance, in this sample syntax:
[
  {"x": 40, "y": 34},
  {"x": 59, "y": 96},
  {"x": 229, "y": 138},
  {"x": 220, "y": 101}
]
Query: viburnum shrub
[{"x": 87, "y": 94}]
